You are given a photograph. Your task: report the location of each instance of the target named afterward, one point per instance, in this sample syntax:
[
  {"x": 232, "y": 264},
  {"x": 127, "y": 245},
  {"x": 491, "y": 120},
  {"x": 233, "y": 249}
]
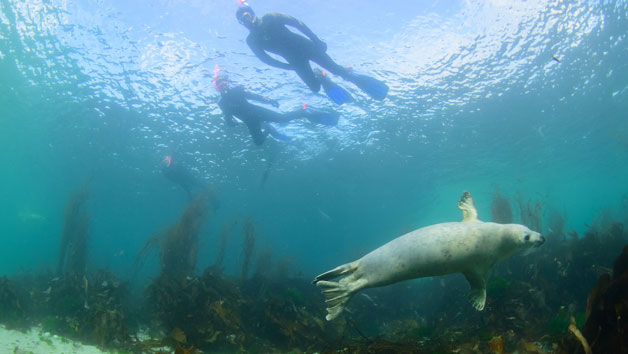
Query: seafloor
[{"x": 569, "y": 294}]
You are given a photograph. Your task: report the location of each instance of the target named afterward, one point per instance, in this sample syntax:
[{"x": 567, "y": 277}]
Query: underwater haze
[{"x": 528, "y": 97}]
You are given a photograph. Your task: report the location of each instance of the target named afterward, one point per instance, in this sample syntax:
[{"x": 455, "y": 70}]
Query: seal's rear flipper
[
  {"x": 477, "y": 295},
  {"x": 336, "y": 297},
  {"x": 336, "y": 272},
  {"x": 337, "y": 293}
]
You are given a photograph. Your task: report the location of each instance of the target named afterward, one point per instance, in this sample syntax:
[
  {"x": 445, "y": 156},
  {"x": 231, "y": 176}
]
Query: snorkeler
[
  {"x": 176, "y": 172},
  {"x": 270, "y": 34},
  {"x": 234, "y": 103}
]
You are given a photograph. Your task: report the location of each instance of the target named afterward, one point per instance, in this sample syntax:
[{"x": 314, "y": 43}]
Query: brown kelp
[
  {"x": 74, "y": 236},
  {"x": 264, "y": 262},
  {"x": 555, "y": 228},
  {"x": 204, "y": 311},
  {"x": 172, "y": 294},
  {"x": 225, "y": 234},
  {"x": 179, "y": 244},
  {"x": 92, "y": 308},
  {"x": 149, "y": 246},
  {"x": 248, "y": 245},
  {"x": 606, "y": 321},
  {"x": 531, "y": 214},
  {"x": 501, "y": 211},
  {"x": 11, "y": 311}
]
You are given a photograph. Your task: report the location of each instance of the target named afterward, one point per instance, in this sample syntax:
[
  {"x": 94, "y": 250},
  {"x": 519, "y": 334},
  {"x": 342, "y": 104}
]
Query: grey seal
[{"x": 470, "y": 247}]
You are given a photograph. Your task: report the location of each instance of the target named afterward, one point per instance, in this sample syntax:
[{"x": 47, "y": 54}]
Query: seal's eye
[{"x": 526, "y": 237}]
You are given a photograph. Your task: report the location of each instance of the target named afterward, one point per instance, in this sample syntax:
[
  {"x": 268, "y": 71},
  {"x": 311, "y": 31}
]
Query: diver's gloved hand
[{"x": 321, "y": 45}]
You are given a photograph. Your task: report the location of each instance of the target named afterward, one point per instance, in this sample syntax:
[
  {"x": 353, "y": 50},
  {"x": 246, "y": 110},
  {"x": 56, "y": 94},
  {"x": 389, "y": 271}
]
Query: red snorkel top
[{"x": 216, "y": 70}]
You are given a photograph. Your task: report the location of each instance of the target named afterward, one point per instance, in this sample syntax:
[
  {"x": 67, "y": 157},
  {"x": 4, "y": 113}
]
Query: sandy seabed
[{"x": 36, "y": 341}]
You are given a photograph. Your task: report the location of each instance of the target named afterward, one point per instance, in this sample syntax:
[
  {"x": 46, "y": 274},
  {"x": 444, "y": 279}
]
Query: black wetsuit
[
  {"x": 178, "y": 174},
  {"x": 234, "y": 103},
  {"x": 270, "y": 34}
]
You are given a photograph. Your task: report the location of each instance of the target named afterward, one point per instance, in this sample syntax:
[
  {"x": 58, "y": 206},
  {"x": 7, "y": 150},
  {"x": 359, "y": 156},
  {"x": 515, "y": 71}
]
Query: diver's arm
[
  {"x": 260, "y": 98},
  {"x": 263, "y": 56},
  {"x": 294, "y": 22},
  {"x": 228, "y": 117}
]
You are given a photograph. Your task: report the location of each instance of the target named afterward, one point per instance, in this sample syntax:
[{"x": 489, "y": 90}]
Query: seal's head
[
  {"x": 524, "y": 238},
  {"x": 515, "y": 237}
]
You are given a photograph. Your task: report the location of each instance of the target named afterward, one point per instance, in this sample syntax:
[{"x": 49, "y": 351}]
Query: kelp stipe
[
  {"x": 75, "y": 234},
  {"x": 248, "y": 245},
  {"x": 179, "y": 245},
  {"x": 501, "y": 211}
]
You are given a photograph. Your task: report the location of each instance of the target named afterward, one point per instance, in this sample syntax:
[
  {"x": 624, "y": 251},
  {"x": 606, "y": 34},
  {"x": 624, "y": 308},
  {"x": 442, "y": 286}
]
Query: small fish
[
  {"x": 29, "y": 216},
  {"x": 47, "y": 291},
  {"x": 323, "y": 214}
]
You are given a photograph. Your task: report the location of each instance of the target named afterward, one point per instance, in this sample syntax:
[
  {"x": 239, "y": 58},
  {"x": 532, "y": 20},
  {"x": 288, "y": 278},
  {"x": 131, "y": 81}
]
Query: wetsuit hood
[
  {"x": 244, "y": 8},
  {"x": 221, "y": 80}
]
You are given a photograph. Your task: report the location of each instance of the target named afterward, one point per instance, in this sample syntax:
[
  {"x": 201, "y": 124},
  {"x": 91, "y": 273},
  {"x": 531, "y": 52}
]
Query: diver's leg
[
  {"x": 255, "y": 128},
  {"x": 297, "y": 113},
  {"x": 276, "y": 117},
  {"x": 304, "y": 70},
  {"x": 373, "y": 87},
  {"x": 324, "y": 60}
]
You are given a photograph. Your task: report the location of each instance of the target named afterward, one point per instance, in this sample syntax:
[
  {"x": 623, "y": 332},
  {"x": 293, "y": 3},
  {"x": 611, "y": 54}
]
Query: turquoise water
[{"x": 102, "y": 90}]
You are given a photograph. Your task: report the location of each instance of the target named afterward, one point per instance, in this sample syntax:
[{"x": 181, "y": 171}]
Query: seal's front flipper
[
  {"x": 370, "y": 85},
  {"x": 477, "y": 295}
]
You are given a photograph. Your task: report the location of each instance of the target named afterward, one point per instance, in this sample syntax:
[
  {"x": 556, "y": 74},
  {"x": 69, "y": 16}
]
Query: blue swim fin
[
  {"x": 370, "y": 85},
  {"x": 324, "y": 118},
  {"x": 275, "y": 134},
  {"x": 334, "y": 91}
]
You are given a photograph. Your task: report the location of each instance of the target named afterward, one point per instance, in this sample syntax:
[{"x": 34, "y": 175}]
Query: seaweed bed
[{"x": 535, "y": 303}]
